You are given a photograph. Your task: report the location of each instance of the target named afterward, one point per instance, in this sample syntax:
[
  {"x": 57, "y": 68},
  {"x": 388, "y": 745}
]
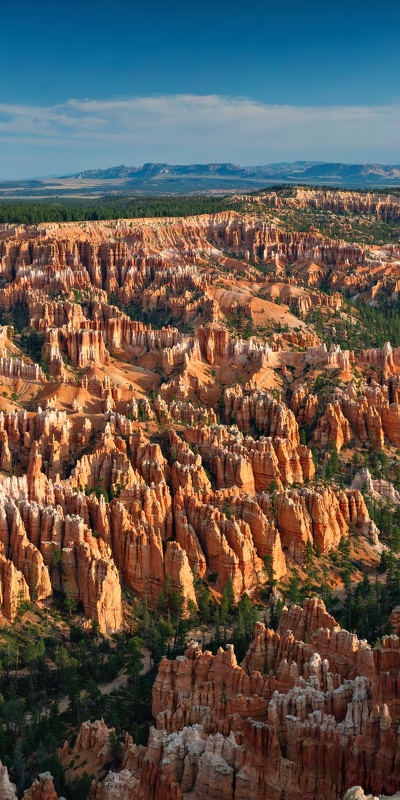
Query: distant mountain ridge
[
  {"x": 214, "y": 178},
  {"x": 292, "y": 171},
  {"x": 151, "y": 170}
]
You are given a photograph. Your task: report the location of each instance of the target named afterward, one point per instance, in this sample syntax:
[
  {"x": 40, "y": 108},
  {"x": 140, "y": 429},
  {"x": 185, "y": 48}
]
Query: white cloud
[{"x": 81, "y": 134}]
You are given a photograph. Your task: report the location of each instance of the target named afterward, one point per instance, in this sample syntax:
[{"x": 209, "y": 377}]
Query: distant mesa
[
  {"x": 172, "y": 170},
  {"x": 162, "y": 178},
  {"x": 291, "y": 171}
]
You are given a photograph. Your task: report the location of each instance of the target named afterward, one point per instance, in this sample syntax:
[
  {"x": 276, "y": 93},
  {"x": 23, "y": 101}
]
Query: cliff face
[
  {"x": 169, "y": 415},
  {"x": 252, "y": 464},
  {"x": 43, "y": 549},
  {"x": 294, "y": 720},
  {"x": 128, "y": 512}
]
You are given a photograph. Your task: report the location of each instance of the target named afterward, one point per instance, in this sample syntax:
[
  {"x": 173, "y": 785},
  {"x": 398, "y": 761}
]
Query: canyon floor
[{"x": 200, "y": 431}]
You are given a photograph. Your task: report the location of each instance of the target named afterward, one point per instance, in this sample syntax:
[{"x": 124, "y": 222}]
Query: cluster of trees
[
  {"x": 30, "y": 212},
  {"x": 167, "y": 629},
  {"x": 17, "y": 316},
  {"x": 363, "y": 327},
  {"x": 330, "y": 466},
  {"x": 366, "y": 606},
  {"x": 41, "y": 667},
  {"x": 53, "y": 662},
  {"x": 32, "y": 344},
  {"x": 375, "y": 325},
  {"x": 387, "y": 518},
  {"x": 369, "y": 603},
  {"x": 157, "y": 318},
  {"x": 98, "y": 489},
  {"x": 240, "y": 323}
]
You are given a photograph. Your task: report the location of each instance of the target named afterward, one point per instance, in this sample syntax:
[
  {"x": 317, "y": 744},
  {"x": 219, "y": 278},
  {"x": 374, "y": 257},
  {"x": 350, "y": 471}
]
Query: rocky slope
[
  {"x": 183, "y": 404},
  {"x": 311, "y": 712},
  {"x": 96, "y": 496}
]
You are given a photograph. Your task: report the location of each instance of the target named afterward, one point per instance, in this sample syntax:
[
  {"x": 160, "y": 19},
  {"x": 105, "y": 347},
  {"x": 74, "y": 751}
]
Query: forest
[{"x": 26, "y": 212}]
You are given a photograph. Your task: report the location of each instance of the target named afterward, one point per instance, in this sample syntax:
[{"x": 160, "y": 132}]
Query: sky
[{"x": 91, "y": 84}]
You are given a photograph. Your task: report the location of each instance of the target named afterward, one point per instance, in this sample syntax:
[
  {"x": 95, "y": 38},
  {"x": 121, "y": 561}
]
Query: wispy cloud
[{"x": 182, "y": 128}]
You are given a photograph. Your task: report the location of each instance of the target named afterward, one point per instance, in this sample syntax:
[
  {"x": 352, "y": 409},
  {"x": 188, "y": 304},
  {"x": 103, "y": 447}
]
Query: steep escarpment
[{"x": 199, "y": 426}]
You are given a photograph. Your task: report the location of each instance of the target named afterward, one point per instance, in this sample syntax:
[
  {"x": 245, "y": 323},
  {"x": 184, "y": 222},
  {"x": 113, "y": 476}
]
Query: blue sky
[{"x": 91, "y": 84}]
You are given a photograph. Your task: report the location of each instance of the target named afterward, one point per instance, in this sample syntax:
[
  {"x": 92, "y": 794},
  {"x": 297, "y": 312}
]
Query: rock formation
[
  {"x": 293, "y": 720},
  {"x": 8, "y": 790},
  {"x": 42, "y": 789},
  {"x": 169, "y": 410}
]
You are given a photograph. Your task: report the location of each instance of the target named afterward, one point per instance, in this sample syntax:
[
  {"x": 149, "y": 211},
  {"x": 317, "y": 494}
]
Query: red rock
[
  {"x": 333, "y": 428},
  {"x": 42, "y": 789}
]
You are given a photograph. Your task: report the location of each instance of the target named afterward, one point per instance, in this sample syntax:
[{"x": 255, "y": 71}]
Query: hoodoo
[{"x": 199, "y": 503}]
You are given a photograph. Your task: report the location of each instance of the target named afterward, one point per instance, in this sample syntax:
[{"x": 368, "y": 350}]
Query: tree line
[{"x": 28, "y": 212}]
